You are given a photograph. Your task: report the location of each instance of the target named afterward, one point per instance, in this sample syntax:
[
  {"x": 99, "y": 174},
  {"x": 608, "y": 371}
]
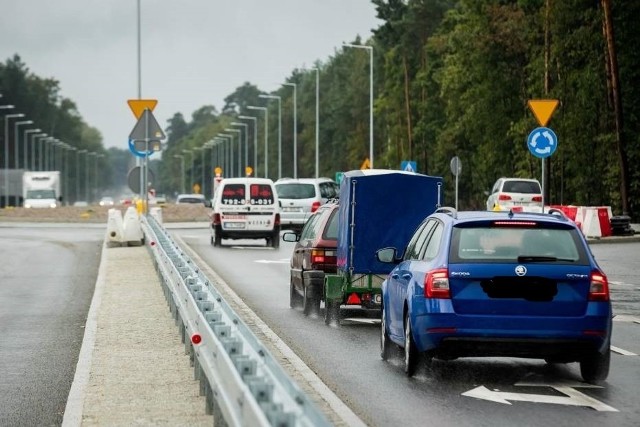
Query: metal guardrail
[{"x": 242, "y": 383}]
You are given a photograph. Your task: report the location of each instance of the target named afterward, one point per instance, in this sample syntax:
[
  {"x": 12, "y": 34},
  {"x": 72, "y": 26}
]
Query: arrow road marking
[{"x": 572, "y": 397}]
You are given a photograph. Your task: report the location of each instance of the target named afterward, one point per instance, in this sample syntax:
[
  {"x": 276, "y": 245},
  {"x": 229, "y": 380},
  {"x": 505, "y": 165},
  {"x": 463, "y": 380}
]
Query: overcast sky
[{"x": 194, "y": 52}]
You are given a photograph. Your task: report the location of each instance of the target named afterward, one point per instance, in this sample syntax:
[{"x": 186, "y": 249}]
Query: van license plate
[{"x": 234, "y": 225}]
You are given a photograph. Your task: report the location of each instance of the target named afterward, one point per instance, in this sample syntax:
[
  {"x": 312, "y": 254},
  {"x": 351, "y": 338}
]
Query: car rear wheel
[
  {"x": 309, "y": 305},
  {"x": 216, "y": 239},
  {"x": 295, "y": 300},
  {"x": 595, "y": 367},
  {"x": 385, "y": 343},
  {"x": 411, "y": 354}
]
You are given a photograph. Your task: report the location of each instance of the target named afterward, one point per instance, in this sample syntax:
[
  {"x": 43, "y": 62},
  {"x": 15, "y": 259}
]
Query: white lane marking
[
  {"x": 273, "y": 261},
  {"x": 368, "y": 321},
  {"x": 626, "y": 318},
  {"x": 622, "y": 352},
  {"x": 572, "y": 397}
]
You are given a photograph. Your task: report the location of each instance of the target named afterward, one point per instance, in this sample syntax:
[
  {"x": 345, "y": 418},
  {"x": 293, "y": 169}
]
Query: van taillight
[
  {"x": 276, "y": 221},
  {"x": 315, "y": 206},
  {"x": 436, "y": 284},
  {"x": 599, "y": 287},
  {"x": 216, "y": 219},
  {"x": 537, "y": 199},
  {"x": 504, "y": 197}
]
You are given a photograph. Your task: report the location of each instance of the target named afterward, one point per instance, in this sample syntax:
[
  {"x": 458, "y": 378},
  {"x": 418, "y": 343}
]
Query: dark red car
[{"x": 313, "y": 255}]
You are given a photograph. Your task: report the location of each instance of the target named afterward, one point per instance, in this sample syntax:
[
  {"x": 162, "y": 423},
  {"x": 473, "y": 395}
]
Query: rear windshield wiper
[{"x": 536, "y": 258}]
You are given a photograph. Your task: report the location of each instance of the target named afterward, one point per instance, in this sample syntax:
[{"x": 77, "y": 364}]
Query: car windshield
[
  {"x": 525, "y": 187},
  {"x": 517, "y": 244},
  {"x": 295, "y": 190},
  {"x": 41, "y": 194}
]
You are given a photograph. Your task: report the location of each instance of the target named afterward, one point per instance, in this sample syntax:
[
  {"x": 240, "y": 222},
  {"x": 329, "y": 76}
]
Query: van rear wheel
[{"x": 216, "y": 239}]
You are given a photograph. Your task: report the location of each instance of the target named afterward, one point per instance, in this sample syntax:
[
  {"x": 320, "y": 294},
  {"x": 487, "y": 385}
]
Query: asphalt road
[
  {"x": 47, "y": 278},
  {"x": 491, "y": 392}
]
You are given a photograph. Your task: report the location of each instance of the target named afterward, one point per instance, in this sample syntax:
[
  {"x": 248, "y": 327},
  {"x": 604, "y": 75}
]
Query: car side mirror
[
  {"x": 290, "y": 236},
  {"x": 387, "y": 255}
]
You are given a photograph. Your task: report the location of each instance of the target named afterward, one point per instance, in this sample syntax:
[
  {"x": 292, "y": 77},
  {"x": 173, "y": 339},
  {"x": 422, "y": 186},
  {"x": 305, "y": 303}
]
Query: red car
[{"x": 313, "y": 255}]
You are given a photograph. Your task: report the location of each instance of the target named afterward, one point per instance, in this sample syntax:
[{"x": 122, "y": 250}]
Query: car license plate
[
  {"x": 288, "y": 209},
  {"x": 234, "y": 225}
]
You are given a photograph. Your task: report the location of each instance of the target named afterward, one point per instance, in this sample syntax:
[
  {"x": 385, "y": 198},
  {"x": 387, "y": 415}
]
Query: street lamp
[
  {"x": 6, "y": 154},
  {"x": 295, "y": 128},
  {"x": 78, "y": 172},
  {"x": 190, "y": 152},
  {"x": 227, "y": 155},
  {"x": 239, "y": 154},
  {"x": 25, "y": 156},
  {"x": 279, "y": 129},
  {"x": 255, "y": 141},
  {"x": 266, "y": 137},
  {"x": 201, "y": 165},
  {"x": 181, "y": 157},
  {"x": 246, "y": 142},
  {"x": 16, "y": 138},
  {"x": 33, "y": 148},
  {"x": 317, "y": 70},
  {"x": 370, "y": 49}
]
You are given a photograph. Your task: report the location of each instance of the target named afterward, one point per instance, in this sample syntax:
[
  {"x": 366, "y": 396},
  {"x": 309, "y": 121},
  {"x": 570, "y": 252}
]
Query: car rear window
[
  {"x": 233, "y": 194},
  {"x": 525, "y": 187},
  {"x": 260, "y": 194},
  {"x": 295, "y": 190},
  {"x": 331, "y": 230},
  {"x": 517, "y": 244}
]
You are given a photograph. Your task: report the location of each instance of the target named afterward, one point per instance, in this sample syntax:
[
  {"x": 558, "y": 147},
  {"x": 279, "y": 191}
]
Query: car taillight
[
  {"x": 315, "y": 206},
  {"x": 504, "y": 197},
  {"x": 321, "y": 256},
  {"x": 599, "y": 287},
  {"x": 537, "y": 198},
  {"x": 436, "y": 284},
  {"x": 216, "y": 219},
  {"x": 277, "y": 219}
]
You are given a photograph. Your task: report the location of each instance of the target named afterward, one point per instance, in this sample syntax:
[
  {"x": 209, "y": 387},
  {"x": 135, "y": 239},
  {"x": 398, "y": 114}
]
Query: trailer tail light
[
  {"x": 504, "y": 197},
  {"x": 315, "y": 206},
  {"x": 353, "y": 299},
  {"x": 436, "y": 284},
  {"x": 599, "y": 287}
]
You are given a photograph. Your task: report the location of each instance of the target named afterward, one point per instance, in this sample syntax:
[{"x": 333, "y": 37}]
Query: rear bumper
[{"x": 447, "y": 334}]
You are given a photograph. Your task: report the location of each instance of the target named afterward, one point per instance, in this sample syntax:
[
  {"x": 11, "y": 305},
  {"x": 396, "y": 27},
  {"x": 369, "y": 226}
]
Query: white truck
[{"x": 41, "y": 189}]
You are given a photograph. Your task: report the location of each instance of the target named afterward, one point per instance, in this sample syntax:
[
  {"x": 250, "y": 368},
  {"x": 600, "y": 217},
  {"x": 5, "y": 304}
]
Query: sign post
[
  {"x": 542, "y": 142},
  {"x": 456, "y": 168},
  {"x": 146, "y": 130}
]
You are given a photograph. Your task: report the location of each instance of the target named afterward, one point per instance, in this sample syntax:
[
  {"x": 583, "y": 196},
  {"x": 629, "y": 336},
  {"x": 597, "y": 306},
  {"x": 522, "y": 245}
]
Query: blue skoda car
[{"x": 512, "y": 284}]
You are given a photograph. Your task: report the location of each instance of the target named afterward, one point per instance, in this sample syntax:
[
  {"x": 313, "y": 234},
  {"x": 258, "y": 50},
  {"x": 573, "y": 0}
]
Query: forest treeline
[{"x": 451, "y": 78}]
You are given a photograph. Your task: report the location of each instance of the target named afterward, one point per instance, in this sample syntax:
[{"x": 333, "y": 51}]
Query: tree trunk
[
  {"x": 617, "y": 105},
  {"x": 407, "y": 105}
]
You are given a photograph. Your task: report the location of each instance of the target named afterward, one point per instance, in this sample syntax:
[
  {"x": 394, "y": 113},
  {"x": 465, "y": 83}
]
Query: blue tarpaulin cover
[{"x": 380, "y": 208}]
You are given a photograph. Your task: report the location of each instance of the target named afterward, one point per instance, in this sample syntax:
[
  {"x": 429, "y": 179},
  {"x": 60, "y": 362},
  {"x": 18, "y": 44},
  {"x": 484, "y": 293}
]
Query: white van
[{"x": 245, "y": 208}]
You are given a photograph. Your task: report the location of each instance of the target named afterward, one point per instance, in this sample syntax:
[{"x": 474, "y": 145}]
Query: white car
[
  {"x": 299, "y": 198},
  {"x": 522, "y": 193}
]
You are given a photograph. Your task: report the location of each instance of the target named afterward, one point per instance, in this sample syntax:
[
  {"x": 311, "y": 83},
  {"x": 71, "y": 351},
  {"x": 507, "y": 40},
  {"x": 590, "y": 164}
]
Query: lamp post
[
  {"x": 201, "y": 165},
  {"x": 239, "y": 132},
  {"x": 279, "y": 129},
  {"x": 295, "y": 128},
  {"x": 255, "y": 141},
  {"x": 190, "y": 152},
  {"x": 317, "y": 121},
  {"x": 181, "y": 157},
  {"x": 370, "y": 49},
  {"x": 37, "y": 143},
  {"x": 25, "y": 156},
  {"x": 66, "y": 168},
  {"x": 78, "y": 172},
  {"x": 86, "y": 175},
  {"x": 6, "y": 154},
  {"x": 266, "y": 137},
  {"x": 207, "y": 145},
  {"x": 246, "y": 142},
  {"x": 227, "y": 155},
  {"x": 16, "y": 139}
]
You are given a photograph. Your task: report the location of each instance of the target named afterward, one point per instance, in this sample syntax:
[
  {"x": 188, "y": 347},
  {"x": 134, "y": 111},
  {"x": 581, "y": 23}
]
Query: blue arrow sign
[{"x": 542, "y": 142}]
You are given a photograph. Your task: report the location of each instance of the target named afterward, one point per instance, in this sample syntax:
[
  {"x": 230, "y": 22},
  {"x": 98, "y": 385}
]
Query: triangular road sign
[
  {"x": 147, "y": 128},
  {"x": 543, "y": 109},
  {"x": 366, "y": 164},
  {"x": 139, "y": 105}
]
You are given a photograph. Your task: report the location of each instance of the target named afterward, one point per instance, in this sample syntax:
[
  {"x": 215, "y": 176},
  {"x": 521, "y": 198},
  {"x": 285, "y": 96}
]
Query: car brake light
[
  {"x": 436, "y": 284},
  {"x": 216, "y": 219},
  {"x": 504, "y": 197},
  {"x": 277, "y": 220},
  {"x": 599, "y": 287},
  {"x": 315, "y": 206},
  {"x": 516, "y": 223},
  {"x": 537, "y": 198},
  {"x": 317, "y": 256}
]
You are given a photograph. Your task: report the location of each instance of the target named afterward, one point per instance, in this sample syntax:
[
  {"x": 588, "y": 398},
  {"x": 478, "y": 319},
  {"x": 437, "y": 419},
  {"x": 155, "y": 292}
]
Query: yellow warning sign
[
  {"x": 248, "y": 170},
  {"x": 543, "y": 109},
  {"x": 366, "y": 164},
  {"x": 139, "y": 105}
]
